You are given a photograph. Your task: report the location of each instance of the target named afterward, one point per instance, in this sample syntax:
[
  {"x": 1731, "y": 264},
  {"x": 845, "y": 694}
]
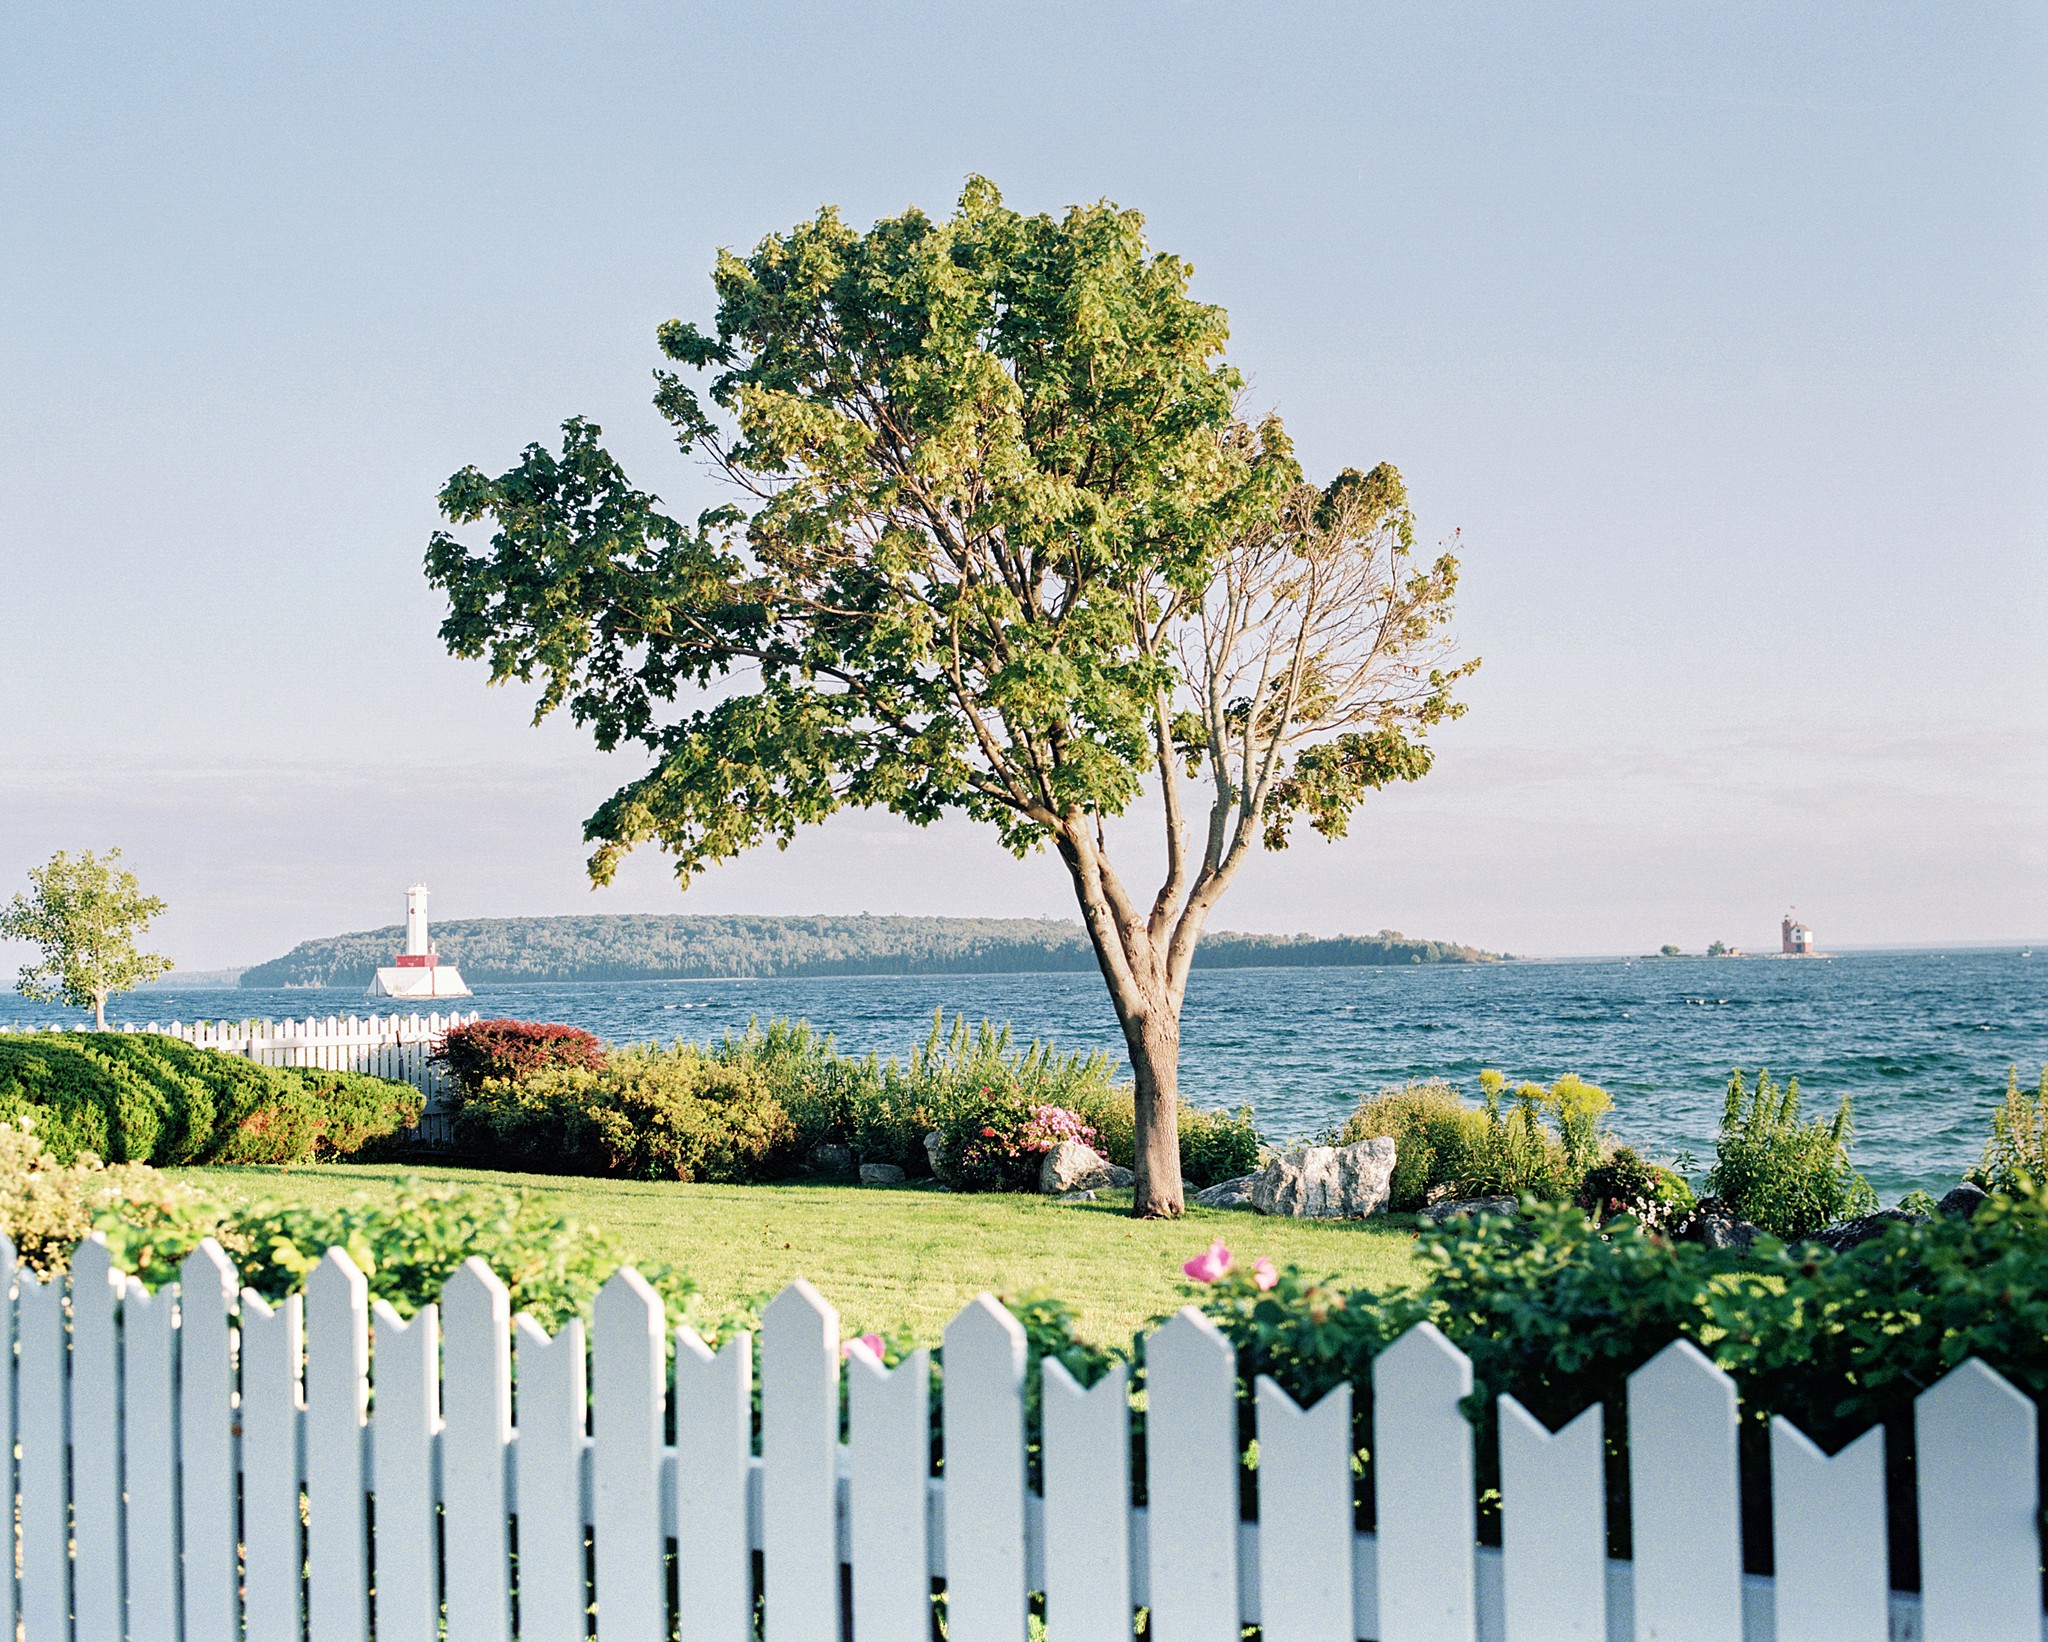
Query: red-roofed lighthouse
[{"x": 418, "y": 972}]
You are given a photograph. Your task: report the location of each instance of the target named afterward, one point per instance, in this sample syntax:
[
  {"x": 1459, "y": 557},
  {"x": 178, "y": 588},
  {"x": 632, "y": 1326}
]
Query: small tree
[
  {"x": 85, "y": 915},
  {"x": 1001, "y": 546}
]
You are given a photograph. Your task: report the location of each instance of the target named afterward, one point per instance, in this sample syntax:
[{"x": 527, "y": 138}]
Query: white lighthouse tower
[{"x": 418, "y": 972}]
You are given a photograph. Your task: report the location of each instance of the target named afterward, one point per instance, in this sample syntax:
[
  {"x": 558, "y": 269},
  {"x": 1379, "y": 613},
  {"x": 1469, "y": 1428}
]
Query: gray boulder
[
  {"x": 828, "y": 1157},
  {"x": 881, "y": 1174},
  {"x": 1963, "y": 1201},
  {"x": 1713, "y": 1225},
  {"x": 1847, "y": 1234},
  {"x": 1074, "y": 1166},
  {"x": 932, "y": 1143},
  {"x": 1439, "y": 1212},
  {"x": 1077, "y": 1197},
  {"x": 1327, "y": 1182},
  {"x": 1227, "y": 1194}
]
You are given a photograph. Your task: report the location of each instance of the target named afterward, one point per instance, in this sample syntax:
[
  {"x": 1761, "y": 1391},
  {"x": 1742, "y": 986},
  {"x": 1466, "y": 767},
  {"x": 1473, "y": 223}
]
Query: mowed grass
[{"x": 890, "y": 1256}]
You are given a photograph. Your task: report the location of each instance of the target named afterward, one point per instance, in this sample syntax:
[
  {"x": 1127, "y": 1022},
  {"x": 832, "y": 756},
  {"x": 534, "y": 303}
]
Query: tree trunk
[
  {"x": 99, "y": 1011},
  {"x": 1133, "y": 964},
  {"x": 1153, "y": 1041}
]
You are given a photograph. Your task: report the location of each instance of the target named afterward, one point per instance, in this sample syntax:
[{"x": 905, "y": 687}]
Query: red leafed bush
[{"x": 511, "y": 1049}]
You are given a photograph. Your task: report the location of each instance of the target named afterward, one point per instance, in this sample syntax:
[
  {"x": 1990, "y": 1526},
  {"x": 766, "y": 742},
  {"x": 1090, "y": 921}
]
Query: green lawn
[{"x": 891, "y": 1255}]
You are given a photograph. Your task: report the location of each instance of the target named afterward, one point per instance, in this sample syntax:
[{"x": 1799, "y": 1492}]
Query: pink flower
[
  {"x": 1209, "y": 1265},
  {"x": 870, "y": 1343},
  {"x": 1263, "y": 1273}
]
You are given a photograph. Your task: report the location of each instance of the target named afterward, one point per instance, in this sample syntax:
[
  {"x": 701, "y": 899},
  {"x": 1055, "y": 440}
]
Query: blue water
[{"x": 1920, "y": 1040}]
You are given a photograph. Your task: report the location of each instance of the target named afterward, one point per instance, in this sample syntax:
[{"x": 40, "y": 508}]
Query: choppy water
[{"x": 1921, "y": 1040}]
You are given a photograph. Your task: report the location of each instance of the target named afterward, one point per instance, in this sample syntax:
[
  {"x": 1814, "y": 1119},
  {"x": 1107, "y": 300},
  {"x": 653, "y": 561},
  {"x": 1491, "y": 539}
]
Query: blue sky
[{"x": 1718, "y": 332}]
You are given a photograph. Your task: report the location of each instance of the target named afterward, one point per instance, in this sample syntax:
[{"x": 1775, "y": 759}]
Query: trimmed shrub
[
  {"x": 1790, "y": 1178},
  {"x": 647, "y": 1114},
  {"x": 138, "y": 1097},
  {"x": 2017, "y": 1152},
  {"x": 485, "y": 1050}
]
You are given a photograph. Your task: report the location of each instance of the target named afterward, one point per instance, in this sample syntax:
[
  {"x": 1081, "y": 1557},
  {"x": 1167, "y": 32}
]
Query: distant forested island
[{"x": 686, "y": 946}]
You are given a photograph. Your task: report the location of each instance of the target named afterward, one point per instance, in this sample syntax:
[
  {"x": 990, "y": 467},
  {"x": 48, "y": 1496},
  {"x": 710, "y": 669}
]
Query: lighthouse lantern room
[{"x": 418, "y": 972}]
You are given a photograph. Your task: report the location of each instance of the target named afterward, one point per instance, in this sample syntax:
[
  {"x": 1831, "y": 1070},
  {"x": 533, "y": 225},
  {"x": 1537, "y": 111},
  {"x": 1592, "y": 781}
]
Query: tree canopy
[{"x": 1000, "y": 543}]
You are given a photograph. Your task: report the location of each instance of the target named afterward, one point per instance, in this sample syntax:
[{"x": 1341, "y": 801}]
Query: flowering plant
[{"x": 1049, "y": 1125}]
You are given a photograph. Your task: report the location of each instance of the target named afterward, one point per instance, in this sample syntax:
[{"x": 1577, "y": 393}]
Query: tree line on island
[{"x": 642, "y": 947}]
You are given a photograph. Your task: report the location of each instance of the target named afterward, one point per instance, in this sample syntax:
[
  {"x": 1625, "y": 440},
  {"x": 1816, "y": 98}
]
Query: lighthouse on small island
[{"x": 418, "y": 972}]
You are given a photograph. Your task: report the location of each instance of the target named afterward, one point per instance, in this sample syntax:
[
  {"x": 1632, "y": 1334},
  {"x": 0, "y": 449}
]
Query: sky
[{"x": 1717, "y": 334}]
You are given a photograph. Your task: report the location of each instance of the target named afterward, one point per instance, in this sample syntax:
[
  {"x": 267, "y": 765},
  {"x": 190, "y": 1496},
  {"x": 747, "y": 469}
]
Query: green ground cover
[{"x": 889, "y": 1257}]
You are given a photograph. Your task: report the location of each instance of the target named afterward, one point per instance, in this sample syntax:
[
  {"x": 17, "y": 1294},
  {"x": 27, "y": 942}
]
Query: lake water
[{"x": 1921, "y": 1040}]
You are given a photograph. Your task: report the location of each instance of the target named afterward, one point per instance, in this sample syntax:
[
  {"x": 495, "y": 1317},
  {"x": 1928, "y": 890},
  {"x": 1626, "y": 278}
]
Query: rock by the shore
[
  {"x": 1227, "y": 1194},
  {"x": 1436, "y": 1213},
  {"x": 1847, "y": 1234},
  {"x": 933, "y": 1142},
  {"x": 1327, "y": 1182},
  {"x": 881, "y": 1174},
  {"x": 1962, "y": 1201},
  {"x": 1713, "y": 1225},
  {"x": 1075, "y": 1166},
  {"x": 1077, "y": 1197},
  {"x": 828, "y": 1157}
]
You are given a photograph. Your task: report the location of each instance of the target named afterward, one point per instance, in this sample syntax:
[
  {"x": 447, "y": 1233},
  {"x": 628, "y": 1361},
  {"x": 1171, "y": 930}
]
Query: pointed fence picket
[
  {"x": 1087, "y": 1505},
  {"x": 1191, "y": 1486},
  {"x": 402, "y": 1432},
  {"x": 273, "y": 1548},
  {"x": 888, "y": 1463},
  {"x": 1553, "y": 1528},
  {"x": 170, "y": 1446}
]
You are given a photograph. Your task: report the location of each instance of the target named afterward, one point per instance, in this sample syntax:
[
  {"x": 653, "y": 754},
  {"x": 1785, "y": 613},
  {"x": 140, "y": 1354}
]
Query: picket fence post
[
  {"x": 983, "y": 1422},
  {"x": 888, "y": 1464},
  {"x": 1684, "y": 1504},
  {"x": 1980, "y": 1509},
  {"x": 1422, "y": 1490},
  {"x": 549, "y": 1441},
  {"x": 405, "y": 1415},
  {"x": 476, "y": 1432},
  {"x": 799, "y": 1465},
  {"x": 206, "y": 1442},
  {"x": 1305, "y": 1506},
  {"x": 273, "y": 1546},
  {"x": 1191, "y": 1466},
  {"x": 1553, "y": 1526},
  {"x": 714, "y": 1449},
  {"x": 1087, "y": 1466},
  {"x": 99, "y": 1603},
  {"x": 626, "y": 1402},
  {"x": 337, "y": 1392}
]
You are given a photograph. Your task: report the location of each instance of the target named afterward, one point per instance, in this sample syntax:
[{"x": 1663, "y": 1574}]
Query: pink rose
[
  {"x": 1210, "y": 1264},
  {"x": 870, "y": 1343},
  {"x": 1263, "y": 1273}
]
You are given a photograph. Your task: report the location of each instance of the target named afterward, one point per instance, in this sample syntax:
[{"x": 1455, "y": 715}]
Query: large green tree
[
  {"x": 85, "y": 914},
  {"x": 998, "y": 542}
]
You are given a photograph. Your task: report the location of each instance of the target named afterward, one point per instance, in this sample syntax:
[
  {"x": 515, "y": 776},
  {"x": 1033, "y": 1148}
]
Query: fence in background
[
  {"x": 197, "y": 1464},
  {"x": 399, "y": 1047}
]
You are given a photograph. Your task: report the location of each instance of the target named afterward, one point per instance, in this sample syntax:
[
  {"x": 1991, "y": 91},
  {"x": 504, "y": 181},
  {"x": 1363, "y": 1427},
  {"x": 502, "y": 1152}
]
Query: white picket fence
[
  {"x": 398, "y": 1047},
  {"x": 200, "y": 1465}
]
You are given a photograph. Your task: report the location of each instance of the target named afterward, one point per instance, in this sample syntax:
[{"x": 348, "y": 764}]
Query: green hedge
[{"x": 138, "y": 1097}]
